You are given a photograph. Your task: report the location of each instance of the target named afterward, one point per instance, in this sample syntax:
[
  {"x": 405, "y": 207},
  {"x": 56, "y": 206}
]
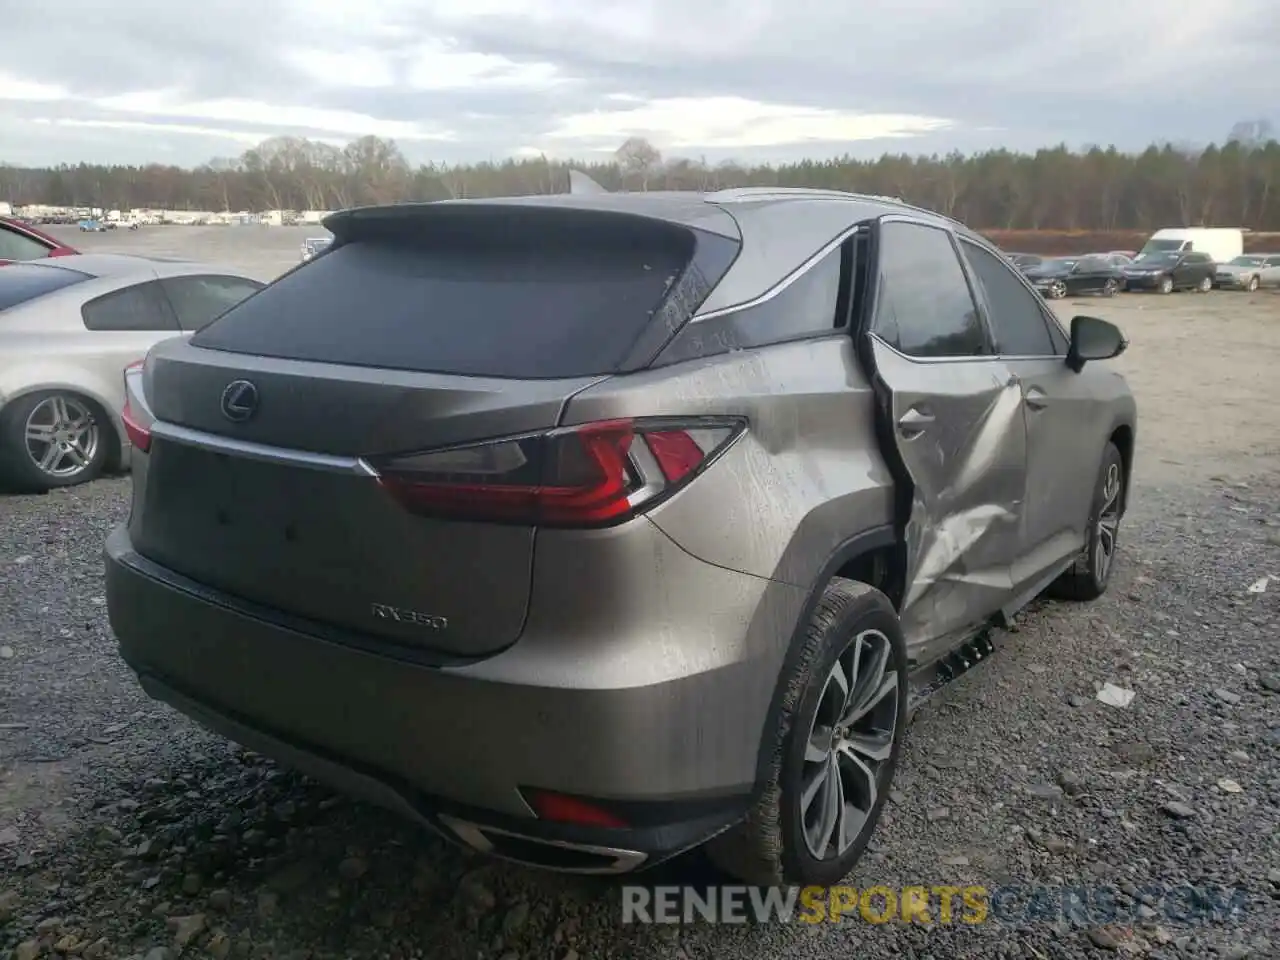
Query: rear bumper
[{"x": 456, "y": 748}]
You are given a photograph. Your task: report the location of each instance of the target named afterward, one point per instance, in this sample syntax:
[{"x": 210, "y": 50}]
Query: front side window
[
  {"x": 1014, "y": 311},
  {"x": 923, "y": 304},
  {"x": 200, "y": 300}
]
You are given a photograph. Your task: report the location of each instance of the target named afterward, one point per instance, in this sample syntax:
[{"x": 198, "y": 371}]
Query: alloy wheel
[
  {"x": 1206, "y": 285},
  {"x": 1253, "y": 284},
  {"x": 1108, "y": 524},
  {"x": 1109, "y": 288},
  {"x": 850, "y": 740},
  {"x": 62, "y": 436},
  {"x": 1166, "y": 285},
  {"x": 1057, "y": 290}
]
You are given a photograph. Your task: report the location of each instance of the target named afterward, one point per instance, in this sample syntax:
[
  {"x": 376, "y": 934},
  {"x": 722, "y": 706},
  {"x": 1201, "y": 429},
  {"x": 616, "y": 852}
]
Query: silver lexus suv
[{"x": 588, "y": 529}]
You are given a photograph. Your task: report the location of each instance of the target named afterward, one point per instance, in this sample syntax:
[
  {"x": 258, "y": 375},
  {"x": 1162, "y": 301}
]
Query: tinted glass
[
  {"x": 199, "y": 300},
  {"x": 18, "y": 246},
  {"x": 1273, "y": 261},
  {"x": 1014, "y": 311},
  {"x": 22, "y": 282},
  {"x": 141, "y": 307},
  {"x": 498, "y": 306},
  {"x": 1093, "y": 263},
  {"x": 924, "y": 307},
  {"x": 808, "y": 305}
]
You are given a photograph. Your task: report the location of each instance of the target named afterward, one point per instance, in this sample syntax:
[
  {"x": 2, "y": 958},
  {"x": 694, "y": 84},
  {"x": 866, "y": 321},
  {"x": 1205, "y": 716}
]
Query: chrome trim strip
[
  {"x": 474, "y": 836},
  {"x": 259, "y": 451}
]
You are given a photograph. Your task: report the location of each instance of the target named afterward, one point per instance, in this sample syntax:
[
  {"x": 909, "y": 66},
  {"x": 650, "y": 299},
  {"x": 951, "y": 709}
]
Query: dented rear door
[{"x": 952, "y": 418}]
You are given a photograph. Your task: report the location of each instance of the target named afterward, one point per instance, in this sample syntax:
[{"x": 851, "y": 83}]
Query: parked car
[
  {"x": 1059, "y": 277},
  {"x": 1171, "y": 270},
  {"x": 1249, "y": 272},
  {"x": 1024, "y": 260},
  {"x": 68, "y": 327},
  {"x": 314, "y": 246},
  {"x": 584, "y": 566},
  {"x": 20, "y": 242},
  {"x": 92, "y": 226}
]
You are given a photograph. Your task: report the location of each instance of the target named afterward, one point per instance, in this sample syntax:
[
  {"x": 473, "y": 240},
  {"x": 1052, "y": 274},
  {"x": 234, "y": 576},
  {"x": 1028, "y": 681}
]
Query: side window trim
[
  {"x": 872, "y": 306},
  {"x": 1048, "y": 316}
]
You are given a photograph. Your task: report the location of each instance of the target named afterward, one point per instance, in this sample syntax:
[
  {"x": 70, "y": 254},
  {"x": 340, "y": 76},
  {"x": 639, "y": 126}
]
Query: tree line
[{"x": 1236, "y": 183}]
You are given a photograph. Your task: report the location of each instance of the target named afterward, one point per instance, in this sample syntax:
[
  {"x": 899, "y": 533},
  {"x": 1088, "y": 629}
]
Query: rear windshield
[
  {"x": 21, "y": 282},
  {"x": 527, "y": 304}
]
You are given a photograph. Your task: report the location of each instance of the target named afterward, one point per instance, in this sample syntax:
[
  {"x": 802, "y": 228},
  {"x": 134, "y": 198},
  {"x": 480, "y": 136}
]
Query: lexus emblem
[{"x": 239, "y": 401}]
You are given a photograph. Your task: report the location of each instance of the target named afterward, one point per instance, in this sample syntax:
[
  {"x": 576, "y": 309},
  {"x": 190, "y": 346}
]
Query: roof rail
[
  {"x": 739, "y": 194},
  {"x": 744, "y": 194}
]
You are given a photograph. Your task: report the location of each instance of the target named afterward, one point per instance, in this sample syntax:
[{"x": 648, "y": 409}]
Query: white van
[{"x": 1224, "y": 244}]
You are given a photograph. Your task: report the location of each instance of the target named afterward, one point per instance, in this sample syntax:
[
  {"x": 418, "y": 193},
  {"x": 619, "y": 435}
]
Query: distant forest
[{"x": 1236, "y": 183}]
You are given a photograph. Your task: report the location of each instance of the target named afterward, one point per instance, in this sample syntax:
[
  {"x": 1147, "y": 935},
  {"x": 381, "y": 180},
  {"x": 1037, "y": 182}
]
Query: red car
[{"x": 20, "y": 241}]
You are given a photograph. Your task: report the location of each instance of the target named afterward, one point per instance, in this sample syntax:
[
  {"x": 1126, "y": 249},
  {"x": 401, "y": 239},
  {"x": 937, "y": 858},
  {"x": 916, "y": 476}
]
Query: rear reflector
[
  {"x": 139, "y": 436},
  {"x": 594, "y": 475},
  {"x": 561, "y": 808}
]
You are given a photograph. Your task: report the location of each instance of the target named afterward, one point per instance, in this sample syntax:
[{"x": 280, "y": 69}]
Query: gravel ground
[{"x": 127, "y": 831}]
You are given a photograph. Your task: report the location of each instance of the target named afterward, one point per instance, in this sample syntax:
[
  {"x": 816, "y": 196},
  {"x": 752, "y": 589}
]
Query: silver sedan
[
  {"x": 1249, "y": 272},
  {"x": 68, "y": 328}
]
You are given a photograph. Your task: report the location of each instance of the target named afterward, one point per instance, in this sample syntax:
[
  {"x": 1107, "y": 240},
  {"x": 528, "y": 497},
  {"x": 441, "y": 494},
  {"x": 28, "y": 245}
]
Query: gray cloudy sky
[{"x": 161, "y": 80}]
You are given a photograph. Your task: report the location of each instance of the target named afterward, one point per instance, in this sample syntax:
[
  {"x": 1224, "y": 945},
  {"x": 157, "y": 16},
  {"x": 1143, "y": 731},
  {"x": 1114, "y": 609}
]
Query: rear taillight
[
  {"x": 594, "y": 475},
  {"x": 139, "y": 435}
]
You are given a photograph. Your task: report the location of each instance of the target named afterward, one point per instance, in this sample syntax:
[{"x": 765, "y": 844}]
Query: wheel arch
[
  {"x": 1122, "y": 435},
  {"x": 877, "y": 553}
]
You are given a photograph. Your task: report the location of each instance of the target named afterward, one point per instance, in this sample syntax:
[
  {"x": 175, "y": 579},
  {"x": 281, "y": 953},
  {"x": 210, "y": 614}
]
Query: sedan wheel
[
  {"x": 1166, "y": 284},
  {"x": 1057, "y": 290},
  {"x": 52, "y": 440},
  {"x": 1205, "y": 285},
  {"x": 1253, "y": 284},
  {"x": 1110, "y": 287}
]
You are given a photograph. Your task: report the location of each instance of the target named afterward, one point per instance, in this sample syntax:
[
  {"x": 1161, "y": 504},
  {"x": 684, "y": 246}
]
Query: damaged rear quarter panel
[{"x": 806, "y": 476}]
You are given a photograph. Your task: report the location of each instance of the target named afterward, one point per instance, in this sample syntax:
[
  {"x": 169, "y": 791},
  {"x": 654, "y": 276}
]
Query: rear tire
[
  {"x": 1088, "y": 577},
  {"x": 1110, "y": 287},
  {"x": 831, "y": 765},
  {"x": 1205, "y": 285},
  {"x": 72, "y": 423},
  {"x": 1253, "y": 284}
]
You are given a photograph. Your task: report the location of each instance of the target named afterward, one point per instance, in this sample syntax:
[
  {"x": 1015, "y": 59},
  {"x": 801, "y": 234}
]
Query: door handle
[
  {"x": 912, "y": 423},
  {"x": 1037, "y": 399}
]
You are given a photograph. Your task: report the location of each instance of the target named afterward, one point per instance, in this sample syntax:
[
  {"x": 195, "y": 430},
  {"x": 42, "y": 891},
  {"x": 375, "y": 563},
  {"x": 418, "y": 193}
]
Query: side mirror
[{"x": 1093, "y": 339}]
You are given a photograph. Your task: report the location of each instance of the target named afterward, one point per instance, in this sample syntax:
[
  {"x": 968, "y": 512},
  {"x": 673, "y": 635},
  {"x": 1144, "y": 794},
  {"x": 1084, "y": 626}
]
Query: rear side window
[
  {"x": 16, "y": 245},
  {"x": 199, "y": 300},
  {"x": 20, "y": 283},
  {"x": 140, "y": 307},
  {"x": 515, "y": 299}
]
